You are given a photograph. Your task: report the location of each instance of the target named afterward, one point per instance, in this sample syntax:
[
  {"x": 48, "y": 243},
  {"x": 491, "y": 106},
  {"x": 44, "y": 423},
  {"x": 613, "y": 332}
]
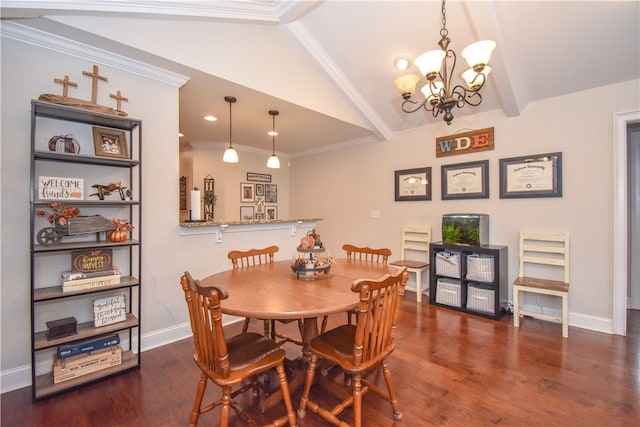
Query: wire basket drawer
[
  {"x": 448, "y": 292},
  {"x": 481, "y": 298},
  {"x": 448, "y": 264},
  {"x": 480, "y": 268}
]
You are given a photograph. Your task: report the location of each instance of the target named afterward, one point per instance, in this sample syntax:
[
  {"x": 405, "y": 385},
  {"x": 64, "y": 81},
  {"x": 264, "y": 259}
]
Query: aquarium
[{"x": 465, "y": 229}]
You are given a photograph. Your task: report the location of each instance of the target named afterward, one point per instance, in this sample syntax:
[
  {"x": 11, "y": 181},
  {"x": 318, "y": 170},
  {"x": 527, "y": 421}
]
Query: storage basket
[
  {"x": 448, "y": 292},
  {"x": 480, "y": 298},
  {"x": 448, "y": 264},
  {"x": 480, "y": 267}
]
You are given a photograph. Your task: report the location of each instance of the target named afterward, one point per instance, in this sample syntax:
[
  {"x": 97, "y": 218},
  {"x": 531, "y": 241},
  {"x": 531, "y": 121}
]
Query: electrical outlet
[{"x": 374, "y": 213}]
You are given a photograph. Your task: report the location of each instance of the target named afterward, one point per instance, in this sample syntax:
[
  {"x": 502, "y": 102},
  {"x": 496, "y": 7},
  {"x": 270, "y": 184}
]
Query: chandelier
[
  {"x": 273, "y": 162},
  {"x": 230, "y": 154},
  {"x": 437, "y": 67}
]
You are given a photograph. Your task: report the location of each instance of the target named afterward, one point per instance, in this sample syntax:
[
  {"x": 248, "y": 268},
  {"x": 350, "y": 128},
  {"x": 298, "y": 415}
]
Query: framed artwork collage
[
  {"x": 531, "y": 176},
  {"x": 535, "y": 175},
  {"x": 261, "y": 197}
]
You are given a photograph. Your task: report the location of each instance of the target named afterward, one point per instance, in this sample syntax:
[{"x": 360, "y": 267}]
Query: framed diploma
[
  {"x": 413, "y": 184},
  {"x": 465, "y": 180},
  {"x": 537, "y": 175}
]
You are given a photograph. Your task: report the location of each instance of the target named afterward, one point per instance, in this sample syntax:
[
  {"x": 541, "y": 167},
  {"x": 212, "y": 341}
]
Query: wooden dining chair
[
  {"x": 229, "y": 362},
  {"x": 538, "y": 255},
  {"x": 415, "y": 255},
  {"x": 380, "y": 255},
  {"x": 366, "y": 253},
  {"x": 251, "y": 257},
  {"x": 360, "y": 349}
]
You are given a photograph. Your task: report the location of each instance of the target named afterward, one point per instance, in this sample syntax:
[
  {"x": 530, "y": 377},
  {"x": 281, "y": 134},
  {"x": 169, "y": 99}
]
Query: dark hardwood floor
[{"x": 450, "y": 369}]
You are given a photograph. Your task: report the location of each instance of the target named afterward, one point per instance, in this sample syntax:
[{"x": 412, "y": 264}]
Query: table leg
[{"x": 309, "y": 331}]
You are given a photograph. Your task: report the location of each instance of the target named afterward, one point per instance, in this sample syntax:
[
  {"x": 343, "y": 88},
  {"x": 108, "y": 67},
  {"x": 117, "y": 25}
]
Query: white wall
[{"x": 359, "y": 179}]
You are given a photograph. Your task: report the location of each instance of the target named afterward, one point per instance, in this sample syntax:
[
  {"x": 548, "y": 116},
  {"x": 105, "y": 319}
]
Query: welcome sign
[
  {"x": 462, "y": 143},
  {"x": 60, "y": 188}
]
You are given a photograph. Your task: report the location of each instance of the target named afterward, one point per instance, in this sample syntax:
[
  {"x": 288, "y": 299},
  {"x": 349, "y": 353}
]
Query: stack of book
[
  {"x": 82, "y": 358},
  {"x": 76, "y": 281}
]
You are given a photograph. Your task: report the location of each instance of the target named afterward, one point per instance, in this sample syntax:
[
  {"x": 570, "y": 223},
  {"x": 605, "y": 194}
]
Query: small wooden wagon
[{"x": 75, "y": 226}]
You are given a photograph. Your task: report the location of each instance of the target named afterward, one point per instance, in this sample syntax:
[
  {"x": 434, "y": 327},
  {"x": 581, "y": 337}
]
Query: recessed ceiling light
[
  {"x": 180, "y": 134},
  {"x": 210, "y": 118},
  {"x": 402, "y": 62},
  {"x": 272, "y": 133}
]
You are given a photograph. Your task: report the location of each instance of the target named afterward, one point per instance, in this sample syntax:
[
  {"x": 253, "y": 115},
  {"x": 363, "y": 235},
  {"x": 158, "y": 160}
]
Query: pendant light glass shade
[
  {"x": 230, "y": 154},
  {"x": 273, "y": 162}
]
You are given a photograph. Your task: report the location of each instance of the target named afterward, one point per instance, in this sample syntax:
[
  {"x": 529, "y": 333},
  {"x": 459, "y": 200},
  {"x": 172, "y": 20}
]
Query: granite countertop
[{"x": 218, "y": 223}]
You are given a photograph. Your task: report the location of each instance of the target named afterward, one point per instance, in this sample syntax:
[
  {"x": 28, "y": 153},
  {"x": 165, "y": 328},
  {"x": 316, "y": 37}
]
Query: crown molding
[
  {"x": 26, "y": 34},
  {"x": 338, "y": 146}
]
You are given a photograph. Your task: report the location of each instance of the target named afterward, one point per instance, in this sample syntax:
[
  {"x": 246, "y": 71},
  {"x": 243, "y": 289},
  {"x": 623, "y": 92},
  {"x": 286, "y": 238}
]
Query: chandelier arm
[
  {"x": 418, "y": 105},
  {"x": 465, "y": 96}
]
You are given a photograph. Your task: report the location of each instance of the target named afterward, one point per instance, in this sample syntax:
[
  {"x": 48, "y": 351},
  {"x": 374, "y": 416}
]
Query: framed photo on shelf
[
  {"x": 270, "y": 193},
  {"x": 246, "y": 192},
  {"x": 412, "y": 184},
  {"x": 538, "y": 175},
  {"x": 465, "y": 180},
  {"x": 110, "y": 143},
  {"x": 272, "y": 212},
  {"x": 246, "y": 213},
  {"x": 259, "y": 189}
]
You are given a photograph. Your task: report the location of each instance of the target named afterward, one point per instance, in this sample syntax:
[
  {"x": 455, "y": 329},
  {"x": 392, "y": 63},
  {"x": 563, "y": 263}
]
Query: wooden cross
[
  {"x": 65, "y": 85},
  {"x": 119, "y": 98},
  {"x": 95, "y": 76}
]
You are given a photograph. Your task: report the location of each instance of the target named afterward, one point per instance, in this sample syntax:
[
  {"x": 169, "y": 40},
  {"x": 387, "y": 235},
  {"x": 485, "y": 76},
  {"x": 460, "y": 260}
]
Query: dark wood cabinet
[{"x": 472, "y": 279}]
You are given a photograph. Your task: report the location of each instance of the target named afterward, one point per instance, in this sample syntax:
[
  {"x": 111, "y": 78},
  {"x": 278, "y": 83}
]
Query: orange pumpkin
[{"x": 118, "y": 236}]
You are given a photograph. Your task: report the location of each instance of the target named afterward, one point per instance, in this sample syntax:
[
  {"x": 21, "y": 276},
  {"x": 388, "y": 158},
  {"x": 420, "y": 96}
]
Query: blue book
[{"x": 88, "y": 346}]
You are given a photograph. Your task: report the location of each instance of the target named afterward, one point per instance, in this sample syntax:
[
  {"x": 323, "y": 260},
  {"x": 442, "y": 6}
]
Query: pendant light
[
  {"x": 230, "y": 154},
  {"x": 273, "y": 162}
]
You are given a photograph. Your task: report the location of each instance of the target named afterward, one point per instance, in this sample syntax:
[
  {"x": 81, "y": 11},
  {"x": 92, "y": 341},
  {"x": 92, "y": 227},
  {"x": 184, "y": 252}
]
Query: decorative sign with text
[
  {"x": 60, "y": 188},
  {"x": 467, "y": 142},
  {"x": 92, "y": 260},
  {"x": 109, "y": 310}
]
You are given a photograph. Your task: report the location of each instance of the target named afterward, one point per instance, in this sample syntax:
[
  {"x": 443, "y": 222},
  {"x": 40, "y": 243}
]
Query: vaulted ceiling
[{"x": 327, "y": 65}]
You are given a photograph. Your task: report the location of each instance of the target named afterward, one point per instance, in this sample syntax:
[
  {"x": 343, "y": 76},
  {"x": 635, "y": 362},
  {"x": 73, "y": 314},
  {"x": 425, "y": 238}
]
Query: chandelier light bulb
[{"x": 478, "y": 54}]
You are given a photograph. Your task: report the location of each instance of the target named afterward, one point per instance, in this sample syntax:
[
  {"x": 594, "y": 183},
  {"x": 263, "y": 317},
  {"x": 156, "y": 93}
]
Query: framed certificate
[
  {"x": 413, "y": 184},
  {"x": 465, "y": 180},
  {"x": 538, "y": 175}
]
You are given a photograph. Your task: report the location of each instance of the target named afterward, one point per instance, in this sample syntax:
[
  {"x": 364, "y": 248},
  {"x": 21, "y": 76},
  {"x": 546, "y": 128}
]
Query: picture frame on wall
[
  {"x": 246, "y": 192},
  {"x": 412, "y": 184},
  {"x": 110, "y": 143},
  {"x": 270, "y": 193},
  {"x": 465, "y": 180},
  {"x": 271, "y": 212},
  {"x": 246, "y": 213},
  {"x": 259, "y": 190},
  {"x": 259, "y": 217},
  {"x": 538, "y": 175}
]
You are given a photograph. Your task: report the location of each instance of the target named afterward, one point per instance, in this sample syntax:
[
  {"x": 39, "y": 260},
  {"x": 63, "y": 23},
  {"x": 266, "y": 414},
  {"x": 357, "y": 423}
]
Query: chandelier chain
[{"x": 443, "y": 31}]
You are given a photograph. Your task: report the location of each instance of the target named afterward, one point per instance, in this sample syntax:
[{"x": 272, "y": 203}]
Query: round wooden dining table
[{"x": 272, "y": 291}]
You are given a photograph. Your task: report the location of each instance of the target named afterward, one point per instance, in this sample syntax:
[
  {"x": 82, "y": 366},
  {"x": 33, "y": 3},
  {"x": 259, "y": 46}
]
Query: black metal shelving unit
[{"x": 48, "y": 301}]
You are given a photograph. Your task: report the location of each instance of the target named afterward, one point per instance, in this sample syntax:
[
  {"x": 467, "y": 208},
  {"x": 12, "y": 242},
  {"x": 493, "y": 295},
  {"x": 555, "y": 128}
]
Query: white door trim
[{"x": 620, "y": 222}]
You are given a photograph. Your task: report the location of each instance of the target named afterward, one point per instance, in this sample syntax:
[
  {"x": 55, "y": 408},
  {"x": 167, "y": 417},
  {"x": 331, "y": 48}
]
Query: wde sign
[{"x": 462, "y": 143}]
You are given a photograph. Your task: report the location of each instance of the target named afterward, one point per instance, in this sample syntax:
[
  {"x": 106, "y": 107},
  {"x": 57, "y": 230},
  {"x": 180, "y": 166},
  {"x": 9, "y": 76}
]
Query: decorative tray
[{"x": 303, "y": 270}]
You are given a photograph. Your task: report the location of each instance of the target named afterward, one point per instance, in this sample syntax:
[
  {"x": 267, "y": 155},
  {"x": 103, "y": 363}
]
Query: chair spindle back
[
  {"x": 252, "y": 257},
  {"x": 367, "y": 254}
]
